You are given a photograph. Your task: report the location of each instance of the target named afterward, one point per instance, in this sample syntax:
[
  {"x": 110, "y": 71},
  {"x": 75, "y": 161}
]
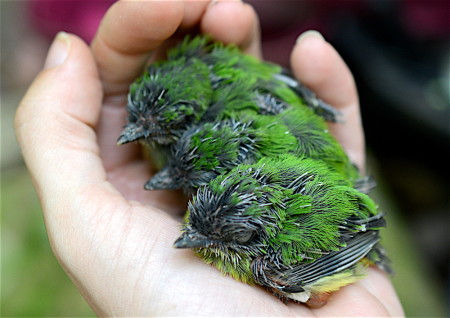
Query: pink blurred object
[
  {"x": 426, "y": 19},
  {"x": 48, "y": 17}
]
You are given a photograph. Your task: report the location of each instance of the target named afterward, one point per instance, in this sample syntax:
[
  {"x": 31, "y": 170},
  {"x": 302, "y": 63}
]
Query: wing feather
[{"x": 294, "y": 278}]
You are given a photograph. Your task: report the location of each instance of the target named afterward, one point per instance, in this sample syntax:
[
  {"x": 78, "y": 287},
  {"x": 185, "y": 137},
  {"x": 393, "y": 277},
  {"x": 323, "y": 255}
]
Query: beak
[
  {"x": 191, "y": 240},
  {"x": 164, "y": 179},
  {"x": 132, "y": 132}
]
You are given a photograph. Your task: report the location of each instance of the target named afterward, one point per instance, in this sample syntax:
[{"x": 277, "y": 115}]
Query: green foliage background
[{"x": 32, "y": 282}]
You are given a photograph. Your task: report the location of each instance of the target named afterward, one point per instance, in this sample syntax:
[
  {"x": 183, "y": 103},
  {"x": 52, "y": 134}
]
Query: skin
[{"x": 113, "y": 238}]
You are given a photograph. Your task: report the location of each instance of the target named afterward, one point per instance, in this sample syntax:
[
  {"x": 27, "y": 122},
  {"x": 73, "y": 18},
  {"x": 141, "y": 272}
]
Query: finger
[
  {"x": 228, "y": 21},
  {"x": 317, "y": 64},
  {"x": 55, "y": 119},
  {"x": 378, "y": 284},
  {"x": 130, "y": 30},
  {"x": 372, "y": 296},
  {"x": 233, "y": 22},
  {"x": 127, "y": 33},
  {"x": 55, "y": 128}
]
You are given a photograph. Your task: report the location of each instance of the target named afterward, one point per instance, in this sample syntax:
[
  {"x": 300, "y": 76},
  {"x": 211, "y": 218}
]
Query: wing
[
  {"x": 293, "y": 279},
  {"x": 328, "y": 112}
]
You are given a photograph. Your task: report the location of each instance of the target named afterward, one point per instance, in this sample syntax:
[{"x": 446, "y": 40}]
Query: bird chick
[
  {"x": 287, "y": 223},
  {"x": 189, "y": 88}
]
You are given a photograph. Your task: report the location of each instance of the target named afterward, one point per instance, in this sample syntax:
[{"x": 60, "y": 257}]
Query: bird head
[
  {"x": 181, "y": 171},
  {"x": 146, "y": 103},
  {"x": 232, "y": 213},
  {"x": 203, "y": 152},
  {"x": 161, "y": 105}
]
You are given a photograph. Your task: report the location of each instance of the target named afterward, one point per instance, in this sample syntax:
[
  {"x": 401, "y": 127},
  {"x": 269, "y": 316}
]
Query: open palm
[{"x": 113, "y": 238}]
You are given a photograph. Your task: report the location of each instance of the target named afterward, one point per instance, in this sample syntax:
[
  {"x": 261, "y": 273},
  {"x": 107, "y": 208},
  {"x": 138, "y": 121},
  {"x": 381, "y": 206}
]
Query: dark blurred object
[
  {"x": 406, "y": 68},
  {"x": 282, "y": 21},
  {"x": 399, "y": 54},
  {"x": 49, "y": 17}
]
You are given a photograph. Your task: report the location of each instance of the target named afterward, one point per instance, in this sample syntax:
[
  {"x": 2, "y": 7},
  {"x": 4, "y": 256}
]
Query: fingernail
[
  {"x": 59, "y": 50},
  {"x": 310, "y": 33}
]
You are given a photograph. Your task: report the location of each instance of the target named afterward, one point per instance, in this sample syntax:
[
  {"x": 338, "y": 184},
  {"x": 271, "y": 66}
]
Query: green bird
[
  {"x": 205, "y": 151},
  {"x": 192, "y": 86},
  {"x": 287, "y": 223},
  {"x": 210, "y": 149},
  {"x": 159, "y": 104}
]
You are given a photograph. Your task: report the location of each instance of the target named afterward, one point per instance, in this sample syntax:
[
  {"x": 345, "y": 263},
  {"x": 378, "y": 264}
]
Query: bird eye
[
  {"x": 244, "y": 237},
  {"x": 237, "y": 234}
]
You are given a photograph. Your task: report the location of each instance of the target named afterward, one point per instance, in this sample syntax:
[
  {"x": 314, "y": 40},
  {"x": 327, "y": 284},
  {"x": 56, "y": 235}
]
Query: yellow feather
[
  {"x": 229, "y": 263},
  {"x": 334, "y": 282}
]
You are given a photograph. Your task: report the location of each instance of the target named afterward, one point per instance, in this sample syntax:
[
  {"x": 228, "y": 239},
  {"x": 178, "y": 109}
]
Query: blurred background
[{"x": 399, "y": 54}]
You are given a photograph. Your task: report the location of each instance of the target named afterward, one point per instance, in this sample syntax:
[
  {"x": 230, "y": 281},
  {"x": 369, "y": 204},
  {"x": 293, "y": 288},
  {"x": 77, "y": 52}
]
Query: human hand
[{"x": 113, "y": 238}]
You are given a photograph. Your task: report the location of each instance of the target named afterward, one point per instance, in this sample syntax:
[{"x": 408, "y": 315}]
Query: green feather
[{"x": 308, "y": 201}]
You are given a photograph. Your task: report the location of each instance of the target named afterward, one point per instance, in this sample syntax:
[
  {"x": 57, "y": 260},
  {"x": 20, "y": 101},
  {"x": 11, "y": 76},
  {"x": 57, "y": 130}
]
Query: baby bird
[
  {"x": 191, "y": 85},
  {"x": 208, "y": 150},
  {"x": 286, "y": 223}
]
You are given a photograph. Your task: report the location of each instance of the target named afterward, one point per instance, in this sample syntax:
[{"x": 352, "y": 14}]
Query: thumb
[
  {"x": 319, "y": 66},
  {"x": 55, "y": 126},
  {"x": 56, "y": 118}
]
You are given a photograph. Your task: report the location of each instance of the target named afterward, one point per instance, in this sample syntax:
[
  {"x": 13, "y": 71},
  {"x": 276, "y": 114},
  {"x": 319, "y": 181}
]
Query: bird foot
[{"x": 318, "y": 300}]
